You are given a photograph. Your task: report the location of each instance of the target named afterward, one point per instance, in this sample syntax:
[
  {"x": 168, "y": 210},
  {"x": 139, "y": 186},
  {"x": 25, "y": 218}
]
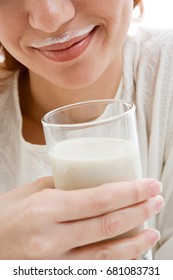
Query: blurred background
[{"x": 157, "y": 14}]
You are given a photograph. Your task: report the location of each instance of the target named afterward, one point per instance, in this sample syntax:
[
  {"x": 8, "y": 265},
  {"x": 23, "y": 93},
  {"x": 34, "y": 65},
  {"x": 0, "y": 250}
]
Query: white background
[{"x": 157, "y": 14}]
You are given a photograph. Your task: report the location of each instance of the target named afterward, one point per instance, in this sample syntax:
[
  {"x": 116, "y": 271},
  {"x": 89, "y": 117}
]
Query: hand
[{"x": 40, "y": 222}]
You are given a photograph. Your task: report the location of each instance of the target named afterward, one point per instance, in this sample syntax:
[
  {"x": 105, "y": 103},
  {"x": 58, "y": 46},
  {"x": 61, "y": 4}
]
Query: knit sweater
[{"x": 147, "y": 80}]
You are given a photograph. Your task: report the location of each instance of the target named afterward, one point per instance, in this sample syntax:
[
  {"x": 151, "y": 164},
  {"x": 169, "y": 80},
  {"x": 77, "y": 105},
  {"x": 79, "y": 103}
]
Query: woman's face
[{"x": 71, "y": 43}]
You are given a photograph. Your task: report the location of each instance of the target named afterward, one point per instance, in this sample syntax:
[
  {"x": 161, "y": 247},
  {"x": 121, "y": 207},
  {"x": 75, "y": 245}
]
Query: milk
[{"x": 89, "y": 162}]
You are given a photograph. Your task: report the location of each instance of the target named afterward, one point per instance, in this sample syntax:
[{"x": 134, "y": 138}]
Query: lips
[{"x": 69, "y": 50}]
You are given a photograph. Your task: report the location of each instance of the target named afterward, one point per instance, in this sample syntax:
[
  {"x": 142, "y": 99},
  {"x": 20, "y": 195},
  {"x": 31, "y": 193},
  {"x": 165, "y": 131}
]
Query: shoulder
[
  {"x": 8, "y": 85},
  {"x": 7, "y": 80},
  {"x": 150, "y": 43},
  {"x": 154, "y": 36},
  {"x": 154, "y": 83},
  {"x": 155, "y": 45},
  {"x": 150, "y": 54}
]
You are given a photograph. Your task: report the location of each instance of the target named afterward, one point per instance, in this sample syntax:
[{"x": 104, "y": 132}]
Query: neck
[{"x": 38, "y": 100}]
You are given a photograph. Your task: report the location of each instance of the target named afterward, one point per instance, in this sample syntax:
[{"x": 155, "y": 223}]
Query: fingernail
[
  {"x": 154, "y": 237},
  {"x": 159, "y": 202},
  {"x": 155, "y": 188}
]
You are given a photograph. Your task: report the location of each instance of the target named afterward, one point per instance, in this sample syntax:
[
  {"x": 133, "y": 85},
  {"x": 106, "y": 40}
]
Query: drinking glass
[{"x": 92, "y": 143}]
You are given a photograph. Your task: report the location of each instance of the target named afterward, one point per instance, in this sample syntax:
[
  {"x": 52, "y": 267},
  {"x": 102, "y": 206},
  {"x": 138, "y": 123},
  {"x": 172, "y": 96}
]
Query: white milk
[{"x": 89, "y": 162}]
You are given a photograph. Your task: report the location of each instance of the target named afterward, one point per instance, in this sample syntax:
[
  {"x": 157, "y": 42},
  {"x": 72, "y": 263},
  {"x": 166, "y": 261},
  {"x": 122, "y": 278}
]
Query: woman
[{"x": 70, "y": 51}]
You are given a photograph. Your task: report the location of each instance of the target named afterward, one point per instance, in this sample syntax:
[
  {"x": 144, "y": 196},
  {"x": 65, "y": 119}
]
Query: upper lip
[{"x": 63, "y": 41}]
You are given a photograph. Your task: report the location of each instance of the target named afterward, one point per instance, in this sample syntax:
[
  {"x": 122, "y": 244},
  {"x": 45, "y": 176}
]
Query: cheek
[
  {"x": 113, "y": 9},
  {"x": 12, "y": 26},
  {"x": 118, "y": 26}
]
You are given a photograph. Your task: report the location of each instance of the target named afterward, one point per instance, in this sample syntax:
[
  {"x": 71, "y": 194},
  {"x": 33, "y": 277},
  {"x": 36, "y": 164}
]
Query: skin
[
  {"x": 74, "y": 222},
  {"x": 84, "y": 78}
]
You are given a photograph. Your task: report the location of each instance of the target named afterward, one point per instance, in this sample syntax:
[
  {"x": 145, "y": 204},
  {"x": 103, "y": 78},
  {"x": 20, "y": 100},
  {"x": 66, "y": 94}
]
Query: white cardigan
[{"x": 148, "y": 81}]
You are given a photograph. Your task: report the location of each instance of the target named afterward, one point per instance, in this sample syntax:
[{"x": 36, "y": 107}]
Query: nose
[{"x": 49, "y": 15}]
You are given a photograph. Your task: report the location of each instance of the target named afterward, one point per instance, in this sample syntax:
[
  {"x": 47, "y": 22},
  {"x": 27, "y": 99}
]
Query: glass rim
[{"x": 127, "y": 113}]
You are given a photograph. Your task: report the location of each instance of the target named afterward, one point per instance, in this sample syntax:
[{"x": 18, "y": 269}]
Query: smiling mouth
[{"x": 68, "y": 50}]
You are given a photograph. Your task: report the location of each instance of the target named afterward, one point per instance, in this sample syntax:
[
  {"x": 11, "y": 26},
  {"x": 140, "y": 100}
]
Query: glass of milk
[{"x": 92, "y": 143}]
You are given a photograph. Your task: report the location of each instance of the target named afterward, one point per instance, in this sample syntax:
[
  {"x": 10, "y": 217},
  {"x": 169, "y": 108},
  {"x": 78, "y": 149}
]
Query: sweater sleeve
[
  {"x": 159, "y": 112},
  {"x": 154, "y": 101},
  {"x": 164, "y": 220}
]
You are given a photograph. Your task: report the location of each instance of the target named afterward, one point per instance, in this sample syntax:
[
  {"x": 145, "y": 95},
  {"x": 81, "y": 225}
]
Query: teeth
[{"x": 63, "y": 38}]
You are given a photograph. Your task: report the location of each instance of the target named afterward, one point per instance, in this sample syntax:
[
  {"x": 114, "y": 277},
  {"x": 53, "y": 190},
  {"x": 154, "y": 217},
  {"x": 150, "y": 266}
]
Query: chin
[
  {"x": 78, "y": 82},
  {"x": 82, "y": 78}
]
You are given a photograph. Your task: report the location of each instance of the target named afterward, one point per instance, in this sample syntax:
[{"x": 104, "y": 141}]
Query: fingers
[
  {"x": 111, "y": 225},
  {"x": 85, "y": 203},
  {"x": 125, "y": 249}
]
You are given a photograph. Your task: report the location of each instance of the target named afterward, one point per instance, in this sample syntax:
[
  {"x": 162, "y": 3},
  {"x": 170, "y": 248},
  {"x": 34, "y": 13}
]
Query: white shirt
[{"x": 148, "y": 82}]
